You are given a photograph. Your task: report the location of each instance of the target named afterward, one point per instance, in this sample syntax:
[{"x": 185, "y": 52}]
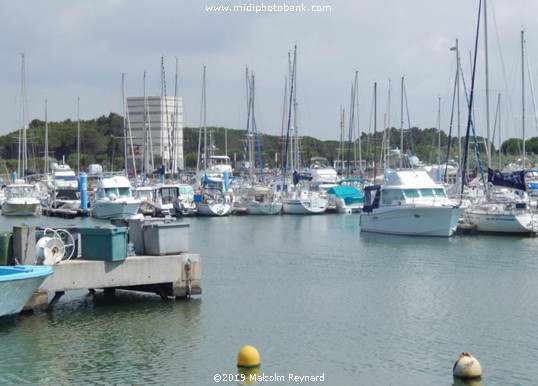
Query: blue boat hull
[{"x": 17, "y": 285}]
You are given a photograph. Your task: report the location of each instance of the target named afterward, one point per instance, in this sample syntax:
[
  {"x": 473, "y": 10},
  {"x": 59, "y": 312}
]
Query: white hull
[
  {"x": 341, "y": 207},
  {"x": 21, "y": 208},
  {"x": 315, "y": 205},
  {"x": 115, "y": 209},
  {"x": 412, "y": 221},
  {"x": 502, "y": 222},
  {"x": 262, "y": 208},
  {"x": 213, "y": 209},
  {"x": 17, "y": 288}
]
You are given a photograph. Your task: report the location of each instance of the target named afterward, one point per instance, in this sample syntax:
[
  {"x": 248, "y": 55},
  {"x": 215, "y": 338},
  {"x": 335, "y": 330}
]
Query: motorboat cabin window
[
  {"x": 124, "y": 192},
  {"x": 391, "y": 196},
  {"x": 440, "y": 193},
  {"x": 411, "y": 193},
  {"x": 109, "y": 192},
  {"x": 186, "y": 190},
  {"x": 169, "y": 194},
  {"x": 65, "y": 178},
  {"x": 427, "y": 193}
]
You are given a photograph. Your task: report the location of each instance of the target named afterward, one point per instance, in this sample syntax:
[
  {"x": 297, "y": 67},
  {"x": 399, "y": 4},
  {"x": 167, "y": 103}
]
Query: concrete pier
[{"x": 168, "y": 276}]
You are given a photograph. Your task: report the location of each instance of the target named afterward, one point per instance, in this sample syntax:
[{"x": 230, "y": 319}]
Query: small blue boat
[{"x": 17, "y": 285}]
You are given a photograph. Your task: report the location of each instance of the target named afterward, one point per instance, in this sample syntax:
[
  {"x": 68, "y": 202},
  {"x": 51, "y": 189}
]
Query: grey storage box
[
  {"x": 136, "y": 231},
  {"x": 166, "y": 238}
]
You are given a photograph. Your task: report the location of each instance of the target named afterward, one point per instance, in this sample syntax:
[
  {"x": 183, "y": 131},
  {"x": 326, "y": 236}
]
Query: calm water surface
[{"x": 314, "y": 296}]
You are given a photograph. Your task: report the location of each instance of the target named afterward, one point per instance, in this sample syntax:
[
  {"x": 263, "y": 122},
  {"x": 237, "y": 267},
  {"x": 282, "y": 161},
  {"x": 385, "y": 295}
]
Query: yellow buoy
[
  {"x": 467, "y": 366},
  {"x": 248, "y": 357}
]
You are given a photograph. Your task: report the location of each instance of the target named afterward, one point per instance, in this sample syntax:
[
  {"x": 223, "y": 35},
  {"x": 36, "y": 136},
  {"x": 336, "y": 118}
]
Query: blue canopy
[{"x": 344, "y": 191}]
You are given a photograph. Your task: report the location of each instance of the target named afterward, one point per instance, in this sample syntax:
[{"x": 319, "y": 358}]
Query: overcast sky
[{"x": 79, "y": 49}]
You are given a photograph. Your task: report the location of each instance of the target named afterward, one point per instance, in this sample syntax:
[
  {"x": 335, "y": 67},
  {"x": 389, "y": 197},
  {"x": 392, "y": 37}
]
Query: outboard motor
[{"x": 178, "y": 208}]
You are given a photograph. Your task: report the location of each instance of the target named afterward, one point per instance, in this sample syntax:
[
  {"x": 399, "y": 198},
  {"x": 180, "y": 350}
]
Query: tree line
[{"x": 101, "y": 142}]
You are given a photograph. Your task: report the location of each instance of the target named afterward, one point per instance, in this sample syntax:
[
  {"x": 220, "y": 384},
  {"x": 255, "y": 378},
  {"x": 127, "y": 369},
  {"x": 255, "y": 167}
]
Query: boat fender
[{"x": 187, "y": 269}]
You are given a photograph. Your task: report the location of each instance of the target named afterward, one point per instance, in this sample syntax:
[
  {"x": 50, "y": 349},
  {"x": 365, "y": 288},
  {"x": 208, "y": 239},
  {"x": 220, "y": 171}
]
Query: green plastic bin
[
  {"x": 107, "y": 243},
  {"x": 6, "y": 247}
]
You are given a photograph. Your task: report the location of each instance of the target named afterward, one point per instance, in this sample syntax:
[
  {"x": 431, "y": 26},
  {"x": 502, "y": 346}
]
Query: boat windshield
[
  {"x": 65, "y": 178},
  {"x": 186, "y": 190},
  {"x": 124, "y": 192},
  {"x": 110, "y": 192},
  {"x": 391, "y": 195},
  {"x": 427, "y": 192},
  {"x": 411, "y": 193}
]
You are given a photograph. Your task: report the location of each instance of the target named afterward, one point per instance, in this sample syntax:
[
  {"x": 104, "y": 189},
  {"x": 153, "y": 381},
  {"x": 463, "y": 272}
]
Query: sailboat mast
[
  {"x": 458, "y": 65},
  {"x": 291, "y": 101},
  {"x": 46, "y": 168},
  {"x": 523, "y": 94},
  {"x": 124, "y": 124},
  {"x": 358, "y": 119},
  {"x": 175, "y": 126},
  {"x": 488, "y": 145},
  {"x": 401, "y": 121},
  {"x": 23, "y": 156},
  {"x": 78, "y": 136},
  {"x": 205, "y": 117},
  {"x": 251, "y": 136},
  {"x": 499, "y": 120},
  {"x": 375, "y": 130}
]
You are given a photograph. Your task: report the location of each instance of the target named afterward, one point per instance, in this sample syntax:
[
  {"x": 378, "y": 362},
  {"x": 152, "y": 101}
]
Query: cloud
[{"x": 81, "y": 49}]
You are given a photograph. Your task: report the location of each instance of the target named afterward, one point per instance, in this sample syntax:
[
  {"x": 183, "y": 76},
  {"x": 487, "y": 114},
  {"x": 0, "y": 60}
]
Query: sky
[{"x": 75, "y": 53}]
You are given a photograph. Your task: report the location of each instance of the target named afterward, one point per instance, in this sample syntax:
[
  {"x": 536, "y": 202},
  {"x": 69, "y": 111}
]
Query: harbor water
[{"x": 314, "y": 295}]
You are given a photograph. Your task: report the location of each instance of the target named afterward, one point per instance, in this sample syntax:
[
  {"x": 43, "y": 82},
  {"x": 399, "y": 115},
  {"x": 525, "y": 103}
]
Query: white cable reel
[{"x": 55, "y": 245}]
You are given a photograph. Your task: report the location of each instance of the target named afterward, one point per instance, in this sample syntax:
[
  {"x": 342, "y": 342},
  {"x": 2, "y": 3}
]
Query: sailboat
[
  {"x": 299, "y": 198},
  {"x": 505, "y": 207},
  {"x": 253, "y": 194},
  {"x": 212, "y": 196},
  {"x": 22, "y": 198}
]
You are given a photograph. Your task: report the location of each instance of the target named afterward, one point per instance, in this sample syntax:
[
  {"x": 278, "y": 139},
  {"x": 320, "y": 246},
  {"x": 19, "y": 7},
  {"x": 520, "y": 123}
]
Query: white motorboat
[
  {"x": 409, "y": 202},
  {"x": 347, "y": 196},
  {"x": 321, "y": 172},
  {"x": 113, "y": 198},
  {"x": 21, "y": 199},
  {"x": 174, "y": 200},
  {"x": 63, "y": 187}
]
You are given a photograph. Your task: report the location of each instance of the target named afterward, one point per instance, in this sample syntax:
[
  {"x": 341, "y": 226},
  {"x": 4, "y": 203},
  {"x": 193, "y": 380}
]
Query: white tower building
[{"x": 157, "y": 131}]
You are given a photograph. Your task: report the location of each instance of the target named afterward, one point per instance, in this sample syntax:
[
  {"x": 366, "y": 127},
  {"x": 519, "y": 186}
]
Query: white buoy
[{"x": 467, "y": 366}]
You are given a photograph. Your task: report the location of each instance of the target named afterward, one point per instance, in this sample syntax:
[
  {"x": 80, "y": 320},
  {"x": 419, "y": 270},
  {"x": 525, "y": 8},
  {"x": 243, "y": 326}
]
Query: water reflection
[{"x": 127, "y": 338}]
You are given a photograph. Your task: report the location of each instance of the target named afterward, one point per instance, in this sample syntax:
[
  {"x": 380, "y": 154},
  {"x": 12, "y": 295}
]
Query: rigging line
[
  {"x": 350, "y": 131},
  {"x": 532, "y": 86},
  {"x": 503, "y": 67},
  {"x": 249, "y": 102},
  {"x": 451, "y": 124},
  {"x": 475, "y": 140},
  {"x": 470, "y": 103},
  {"x": 169, "y": 135},
  {"x": 411, "y": 142},
  {"x": 292, "y": 90}
]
